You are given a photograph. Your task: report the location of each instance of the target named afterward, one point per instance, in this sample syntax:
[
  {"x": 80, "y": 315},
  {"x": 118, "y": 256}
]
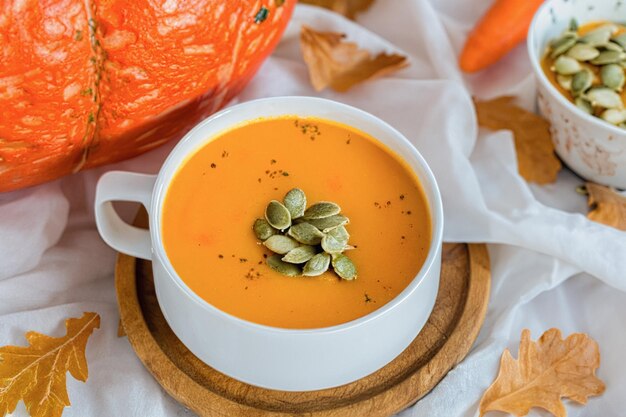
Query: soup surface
[{"x": 221, "y": 189}]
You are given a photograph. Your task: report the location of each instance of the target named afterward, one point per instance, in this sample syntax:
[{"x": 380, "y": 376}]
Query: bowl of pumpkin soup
[{"x": 295, "y": 241}]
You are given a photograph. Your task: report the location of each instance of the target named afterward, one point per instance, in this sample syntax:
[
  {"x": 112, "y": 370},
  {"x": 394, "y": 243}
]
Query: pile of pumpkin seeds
[
  {"x": 591, "y": 68},
  {"x": 305, "y": 241}
]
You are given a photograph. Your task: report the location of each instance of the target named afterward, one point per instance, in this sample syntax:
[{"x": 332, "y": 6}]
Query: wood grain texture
[{"x": 443, "y": 342}]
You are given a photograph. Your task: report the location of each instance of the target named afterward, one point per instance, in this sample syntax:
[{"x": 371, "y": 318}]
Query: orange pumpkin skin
[{"x": 77, "y": 92}]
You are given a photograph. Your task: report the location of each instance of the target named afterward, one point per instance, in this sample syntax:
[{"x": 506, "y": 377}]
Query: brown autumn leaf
[
  {"x": 36, "y": 373},
  {"x": 533, "y": 143},
  {"x": 545, "y": 371},
  {"x": 340, "y": 65},
  {"x": 606, "y": 206},
  {"x": 348, "y": 8}
]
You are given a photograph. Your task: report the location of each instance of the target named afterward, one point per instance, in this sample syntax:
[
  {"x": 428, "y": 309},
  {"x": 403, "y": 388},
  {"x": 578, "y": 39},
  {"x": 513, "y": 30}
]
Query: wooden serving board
[{"x": 444, "y": 341}]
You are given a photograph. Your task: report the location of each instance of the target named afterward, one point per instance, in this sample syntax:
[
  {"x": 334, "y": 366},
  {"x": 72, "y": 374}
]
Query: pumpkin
[{"x": 85, "y": 83}]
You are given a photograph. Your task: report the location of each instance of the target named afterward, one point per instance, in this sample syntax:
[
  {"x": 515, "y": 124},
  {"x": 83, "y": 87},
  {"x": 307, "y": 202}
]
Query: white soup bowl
[{"x": 270, "y": 357}]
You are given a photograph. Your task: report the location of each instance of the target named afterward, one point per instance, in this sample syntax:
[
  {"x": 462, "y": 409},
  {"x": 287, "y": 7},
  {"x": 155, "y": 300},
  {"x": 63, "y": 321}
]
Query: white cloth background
[{"x": 551, "y": 266}]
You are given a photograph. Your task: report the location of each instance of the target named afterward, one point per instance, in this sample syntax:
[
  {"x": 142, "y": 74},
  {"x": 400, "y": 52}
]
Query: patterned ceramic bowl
[{"x": 591, "y": 147}]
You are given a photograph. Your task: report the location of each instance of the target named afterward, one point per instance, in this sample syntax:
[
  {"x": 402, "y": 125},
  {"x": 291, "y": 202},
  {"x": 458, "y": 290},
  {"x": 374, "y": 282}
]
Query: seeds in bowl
[
  {"x": 309, "y": 241},
  {"x": 586, "y": 64}
]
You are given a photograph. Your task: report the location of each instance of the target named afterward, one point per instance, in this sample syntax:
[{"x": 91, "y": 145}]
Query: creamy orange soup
[{"x": 222, "y": 188}]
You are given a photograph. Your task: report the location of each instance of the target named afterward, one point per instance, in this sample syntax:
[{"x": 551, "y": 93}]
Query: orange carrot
[{"x": 503, "y": 26}]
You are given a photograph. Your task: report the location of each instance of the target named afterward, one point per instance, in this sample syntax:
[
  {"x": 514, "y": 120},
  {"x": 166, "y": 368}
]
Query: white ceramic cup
[
  {"x": 591, "y": 147},
  {"x": 270, "y": 357}
]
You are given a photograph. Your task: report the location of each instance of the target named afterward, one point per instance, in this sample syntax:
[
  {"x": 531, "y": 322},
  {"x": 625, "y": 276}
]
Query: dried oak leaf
[
  {"x": 36, "y": 373},
  {"x": 348, "y": 8},
  {"x": 533, "y": 143},
  {"x": 607, "y": 206},
  {"x": 340, "y": 65},
  {"x": 545, "y": 371}
]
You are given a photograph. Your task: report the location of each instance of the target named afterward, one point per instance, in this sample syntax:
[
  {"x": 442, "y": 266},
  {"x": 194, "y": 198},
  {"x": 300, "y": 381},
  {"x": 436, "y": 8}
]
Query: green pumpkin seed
[
  {"x": 280, "y": 244},
  {"x": 284, "y": 268},
  {"x": 612, "y": 76},
  {"x": 299, "y": 255},
  {"x": 344, "y": 267},
  {"x": 584, "y": 105},
  {"x": 608, "y": 57},
  {"x": 582, "y": 52},
  {"x": 581, "y": 82},
  {"x": 599, "y": 35},
  {"x": 620, "y": 40},
  {"x": 565, "y": 81},
  {"x": 306, "y": 233},
  {"x": 321, "y": 210},
  {"x": 329, "y": 223},
  {"x": 340, "y": 233},
  {"x": 332, "y": 245},
  {"x": 295, "y": 201},
  {"x": 614, "y": 116},
  {"x": 604, "y": 97},
  {"x": 562, "y": 44},
  {"x": 336, "y": 240},
  {"x": 277, "y": 215},
  {"x": 317, "y": 265},
  {"x": 565, "y": 65},
  {"x": 611, "y": 46},
  {"x": 573, "y": 25},
  {"x": 262, "y": 229}
]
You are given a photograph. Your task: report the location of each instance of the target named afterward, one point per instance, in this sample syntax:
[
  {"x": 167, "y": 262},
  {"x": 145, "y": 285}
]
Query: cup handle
[{"x": 124, "y": 186}]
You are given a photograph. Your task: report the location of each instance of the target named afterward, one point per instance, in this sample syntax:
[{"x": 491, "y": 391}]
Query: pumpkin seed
[
  {"x": 612, "y": 76},
  {"x": 340, "y": 233},
  {"x": 614, "y": 116},
  {"x": 321, "y": 210},
  {"x": 604, "y": 97},
  {"x": 344, "y": 267},
  {"x": 280, "y": 244},
  {"x": 306, "y": 233},
  {"x": 317, "y": 265},
  {"x": 608, "y": 57},
  {"x": 565, "y": 65},
  {"x": 262, "y": 229},
  {"x": 284, "y": 268},
  {"x": 620, "y": 40},
  {"x": 599, "y": 35},
  {"x": 573, "y": 25},
  {"x": 611, "y": 46},
  {"x": 565, "y": 81},
  {"x": 277, "y": 215},
  {"x": 295, "y": 201},
  {"x": 581, "y": 81},
  {"x": 582, "y": 52},
  {"x": 299, "y": 255},
  {"x": 584, "y": 105},
  {"x": 562, "y": 44},
  {"x": 329, "y": 223},
  {"x": 332, "y": 245}
]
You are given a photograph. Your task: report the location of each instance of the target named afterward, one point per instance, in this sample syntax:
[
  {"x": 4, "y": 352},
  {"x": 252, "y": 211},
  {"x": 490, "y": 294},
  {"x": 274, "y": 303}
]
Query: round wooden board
[{"x": 444, "y": 341}]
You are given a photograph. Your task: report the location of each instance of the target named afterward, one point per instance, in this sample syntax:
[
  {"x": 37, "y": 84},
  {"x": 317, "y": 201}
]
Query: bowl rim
[
  {"x": 427, "y": 179},
  {"x": 535, "y": 63}
]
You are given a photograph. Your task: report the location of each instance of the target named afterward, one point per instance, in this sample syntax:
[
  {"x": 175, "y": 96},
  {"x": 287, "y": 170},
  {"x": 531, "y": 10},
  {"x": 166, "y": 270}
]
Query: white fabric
[{"x": 544, "y": 252}]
